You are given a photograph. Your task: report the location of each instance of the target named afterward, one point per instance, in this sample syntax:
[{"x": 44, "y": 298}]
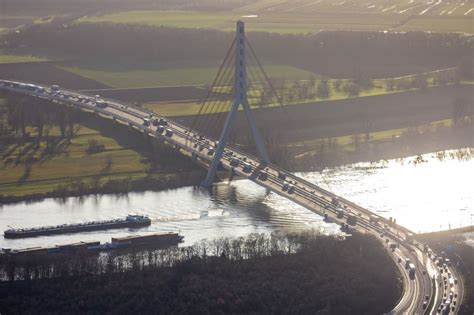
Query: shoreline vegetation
[
  {"x": 193, "y": 178},
  {"x": 59, "y": 152},
  {"x": 410, "y": 144}
]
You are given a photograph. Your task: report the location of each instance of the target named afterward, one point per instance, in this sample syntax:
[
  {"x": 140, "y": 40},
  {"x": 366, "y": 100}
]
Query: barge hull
[{"x": 76, "y": 228}]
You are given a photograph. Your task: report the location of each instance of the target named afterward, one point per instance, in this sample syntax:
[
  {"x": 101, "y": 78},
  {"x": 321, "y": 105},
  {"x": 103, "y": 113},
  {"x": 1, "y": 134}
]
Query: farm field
[
  {"x": 303, "y": 17},
  {"x": 440, "y": 24},
  {"x": 413, "y": 7},
  {"x": 379, "y": 87},
  {"x": 188, "y": 108},
  {"x": 38, "y": 171},
  {"x": 155, "y": 75},
  {"x": 10, "y": 58},
  {"x": 185, "y": 19},
  {"x": 15, "y": 20}
]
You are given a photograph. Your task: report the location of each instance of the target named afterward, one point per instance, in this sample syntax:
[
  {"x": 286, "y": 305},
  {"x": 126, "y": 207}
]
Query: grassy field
[
  {"x": 279, "y": 23},
  {"x": 171, "y": 109},
  {"x": 440, "y": 24},
  {"x": 39, "y": 172},
  {"x": 155, "y": 75},
  {"x": 396, "y": 7},
  {"x": 9, "y": 58},
  {"x": 308, "y": 17},
  {"x": 186, "y": 19},
  {"x": 186, "y": 108}
]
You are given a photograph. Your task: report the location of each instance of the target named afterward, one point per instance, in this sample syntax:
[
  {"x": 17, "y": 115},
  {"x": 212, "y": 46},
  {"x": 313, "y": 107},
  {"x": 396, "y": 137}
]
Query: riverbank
[
  {"x": 73, "y": 153},
  {"x": 446, "y": 233},
  {"x": 408, "y": 144},
  {"x": 96, "y": 156},
  {"x": 158, "y": 182},
  {"x": 115, "y": 186}
]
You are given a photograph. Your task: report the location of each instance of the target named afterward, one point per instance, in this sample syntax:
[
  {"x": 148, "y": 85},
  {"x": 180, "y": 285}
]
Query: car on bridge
[
  {"x": 247, "y": 168},
  {"x": 234, "y": 162},
  {"x": 351, "y": 219},
  {"x": 291, "y": 189},
  {"x": 169, "y": 133},
  {"x": 160, "y": 122},
  {"x": 263, "y": 176},
  {"x": 101, "y": 103},
  {"x": 411, "y": 271}
]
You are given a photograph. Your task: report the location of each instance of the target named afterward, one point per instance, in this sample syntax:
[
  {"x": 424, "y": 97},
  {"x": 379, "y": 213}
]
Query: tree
[
  {"x": 356, "y": 141},
  {"x": 460, "y": 110},
  {"x": 390, "y": 84},
  {"x": 419, "y": 82},
  {"x": 323, "y": 89},
  {"x": 465, "y": 69},
  {"x": 70, "y": 121},
  {"x": 351, "y": 89},
  {"x": 94, "y": 146},
  {"x": 40, "y": 122},
  {"x": 108, "y": 162},
  {"x": 337, "y": 85},
  {"x": 62, "y": 123}
]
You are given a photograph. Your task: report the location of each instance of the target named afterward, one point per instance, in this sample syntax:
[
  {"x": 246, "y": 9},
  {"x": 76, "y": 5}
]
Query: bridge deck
[
  {"x": 266, "y": 175},
  {"x": 302, "y": 192}
]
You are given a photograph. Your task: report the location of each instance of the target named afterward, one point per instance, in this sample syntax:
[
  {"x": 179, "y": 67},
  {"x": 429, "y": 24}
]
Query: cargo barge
[
  {"x": 152, "y": 239},
  {"x": 162, "y": 240},
  {"x": 131, "y": 221}
]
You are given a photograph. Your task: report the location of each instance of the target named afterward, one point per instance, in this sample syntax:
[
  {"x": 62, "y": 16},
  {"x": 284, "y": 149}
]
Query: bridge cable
[
  {"x": 219, "y": 102},
  {"x": 217, "y": 91},
  {"x": 211, "y": 90},
  {"x": 252, "y": 53},
  {"x": 218, "y": 96},
  {"x": 254, "y": 58},
  {"x": 231, "y": 49},
  {"x": 223, "y": 103}
]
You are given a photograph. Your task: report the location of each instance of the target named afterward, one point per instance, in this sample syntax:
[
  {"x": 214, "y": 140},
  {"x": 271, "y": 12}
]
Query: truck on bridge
[{"x": 411, "y": 271}]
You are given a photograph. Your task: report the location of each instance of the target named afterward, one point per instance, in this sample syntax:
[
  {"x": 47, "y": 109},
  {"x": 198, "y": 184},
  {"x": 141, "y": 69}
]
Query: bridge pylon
[{"x": 239, "y": 99}]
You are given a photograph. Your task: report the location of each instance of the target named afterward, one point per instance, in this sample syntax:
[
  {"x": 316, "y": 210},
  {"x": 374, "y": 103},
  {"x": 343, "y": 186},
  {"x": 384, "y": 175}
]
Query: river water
[{"x": 428, "y": 196}]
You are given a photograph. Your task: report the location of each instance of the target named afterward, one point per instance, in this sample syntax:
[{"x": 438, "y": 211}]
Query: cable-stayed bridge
[{"x": 229, "y": 94}]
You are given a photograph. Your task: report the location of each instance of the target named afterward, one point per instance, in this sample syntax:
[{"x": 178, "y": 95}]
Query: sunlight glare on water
[
  {"x": 425, "y": 197},
  {"x": 429, "y": 196}
]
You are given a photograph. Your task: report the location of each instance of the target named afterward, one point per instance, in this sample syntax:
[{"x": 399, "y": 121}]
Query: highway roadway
[{"x": 333, "y": 208}]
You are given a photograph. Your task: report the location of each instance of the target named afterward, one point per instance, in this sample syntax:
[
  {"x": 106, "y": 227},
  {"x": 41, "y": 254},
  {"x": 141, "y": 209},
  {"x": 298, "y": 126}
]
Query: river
[{"x": 427, "y": 196}]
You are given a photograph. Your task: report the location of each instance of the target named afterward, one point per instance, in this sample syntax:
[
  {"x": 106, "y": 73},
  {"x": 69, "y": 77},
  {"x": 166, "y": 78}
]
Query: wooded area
[{"x": 293, "y": 273}]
